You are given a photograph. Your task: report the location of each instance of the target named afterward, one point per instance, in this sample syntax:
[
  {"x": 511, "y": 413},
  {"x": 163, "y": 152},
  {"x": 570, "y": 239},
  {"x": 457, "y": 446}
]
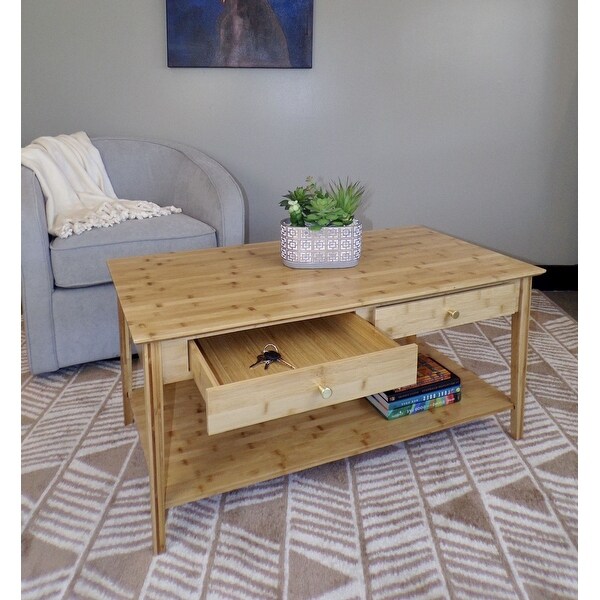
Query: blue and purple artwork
[{"x": 240, "y": 33}]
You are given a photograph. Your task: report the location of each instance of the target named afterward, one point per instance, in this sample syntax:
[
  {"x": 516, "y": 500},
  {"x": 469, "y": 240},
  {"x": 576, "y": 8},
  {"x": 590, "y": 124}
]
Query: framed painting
[{"x": 273, "y": 34}]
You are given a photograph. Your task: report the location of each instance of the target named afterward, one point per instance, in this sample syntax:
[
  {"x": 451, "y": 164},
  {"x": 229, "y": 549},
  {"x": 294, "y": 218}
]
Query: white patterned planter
[{"x": 328, "y": 248}]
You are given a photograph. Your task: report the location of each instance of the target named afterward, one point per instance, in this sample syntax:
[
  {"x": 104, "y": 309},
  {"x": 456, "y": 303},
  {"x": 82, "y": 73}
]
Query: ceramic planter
[{"x": 328, "y": 248}]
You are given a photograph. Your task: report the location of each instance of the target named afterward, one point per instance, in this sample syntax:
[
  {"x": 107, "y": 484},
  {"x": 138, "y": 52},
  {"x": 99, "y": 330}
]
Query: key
[
  {"x": 273, "y": 356},
  {"x": 270, "y": 356},
  {"x": 286, "y": 363},
  {"x": 267, "y": 358},
  {"x": 259, "y": 360}
]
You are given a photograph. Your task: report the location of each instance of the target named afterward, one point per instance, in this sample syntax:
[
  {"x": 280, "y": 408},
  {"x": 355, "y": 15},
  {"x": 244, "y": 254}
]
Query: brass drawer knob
[
  {"x": 326, "y": 392},
  {"x": 454, "y": 314}
]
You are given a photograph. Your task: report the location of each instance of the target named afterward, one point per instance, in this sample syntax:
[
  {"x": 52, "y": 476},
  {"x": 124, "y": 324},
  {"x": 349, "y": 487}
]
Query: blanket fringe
[{"x": 111, "y": 213}]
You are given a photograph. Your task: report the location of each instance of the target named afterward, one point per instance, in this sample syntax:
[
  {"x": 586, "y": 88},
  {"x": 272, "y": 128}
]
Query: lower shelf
[{"x": 198, "y": 465}]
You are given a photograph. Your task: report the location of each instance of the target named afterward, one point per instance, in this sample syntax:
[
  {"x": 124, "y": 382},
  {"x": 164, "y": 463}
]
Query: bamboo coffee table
[{"x": 208, "y": 424}]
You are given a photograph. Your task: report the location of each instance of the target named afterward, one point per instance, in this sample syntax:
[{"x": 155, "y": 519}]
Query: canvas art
[{"x": 240, "y": 33}]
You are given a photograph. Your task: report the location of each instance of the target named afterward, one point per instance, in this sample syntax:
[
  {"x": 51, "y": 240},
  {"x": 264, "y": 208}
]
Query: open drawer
[{"x": 337, "y": 359}]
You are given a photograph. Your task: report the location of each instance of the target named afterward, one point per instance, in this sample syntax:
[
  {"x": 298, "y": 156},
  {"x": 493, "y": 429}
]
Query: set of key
[{"x": 270, "y": 355}]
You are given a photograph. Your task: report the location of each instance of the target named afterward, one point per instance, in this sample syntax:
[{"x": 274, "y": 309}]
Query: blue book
[{"x": 410, "y": 409}]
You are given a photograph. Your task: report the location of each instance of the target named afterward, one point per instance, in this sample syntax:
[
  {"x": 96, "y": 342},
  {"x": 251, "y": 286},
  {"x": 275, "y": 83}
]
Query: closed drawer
[
  {"x": 420, "y": 316},
  {"x": 337, "y": 359}
]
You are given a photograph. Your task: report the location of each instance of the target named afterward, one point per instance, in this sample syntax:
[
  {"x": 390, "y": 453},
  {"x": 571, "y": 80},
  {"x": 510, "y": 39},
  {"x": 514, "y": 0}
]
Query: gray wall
[{"x": 457, "y": 114}]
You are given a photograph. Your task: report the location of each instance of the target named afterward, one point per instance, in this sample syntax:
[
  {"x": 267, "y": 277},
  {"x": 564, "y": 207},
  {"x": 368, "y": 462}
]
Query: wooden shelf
[{"x": 199, "y": 465}]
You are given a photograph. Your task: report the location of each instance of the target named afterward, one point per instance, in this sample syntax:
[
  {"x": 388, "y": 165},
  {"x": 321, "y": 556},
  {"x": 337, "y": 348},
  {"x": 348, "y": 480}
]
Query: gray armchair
[{"x": 69, "y": 303}]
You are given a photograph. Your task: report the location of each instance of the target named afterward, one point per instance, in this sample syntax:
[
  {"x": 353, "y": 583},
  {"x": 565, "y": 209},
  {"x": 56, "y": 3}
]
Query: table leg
[
  {"x": 518, "y": 363},
  {"x": 154, "y": 409},
  {"x": 126, "y": 366}
]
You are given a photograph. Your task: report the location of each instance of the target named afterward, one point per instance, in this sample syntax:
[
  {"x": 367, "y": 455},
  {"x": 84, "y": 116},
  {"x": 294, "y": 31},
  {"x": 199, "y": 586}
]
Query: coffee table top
[{"x": 217, "y": 290}]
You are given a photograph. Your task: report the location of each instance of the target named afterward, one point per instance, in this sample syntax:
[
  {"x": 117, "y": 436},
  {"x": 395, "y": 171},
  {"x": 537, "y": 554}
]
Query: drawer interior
[{"x": 303, "y": 343}]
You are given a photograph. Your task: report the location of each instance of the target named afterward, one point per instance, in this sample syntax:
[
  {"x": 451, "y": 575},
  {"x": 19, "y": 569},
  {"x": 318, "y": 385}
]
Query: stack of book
[{"x": 435, "y": 386}]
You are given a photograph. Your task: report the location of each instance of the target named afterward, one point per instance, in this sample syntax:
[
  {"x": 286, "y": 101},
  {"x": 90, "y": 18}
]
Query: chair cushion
[{"x": 80, "y": 260}]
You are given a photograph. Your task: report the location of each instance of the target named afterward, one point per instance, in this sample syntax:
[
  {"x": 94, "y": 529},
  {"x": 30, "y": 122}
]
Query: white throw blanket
[{"x": 79, "y": 194}]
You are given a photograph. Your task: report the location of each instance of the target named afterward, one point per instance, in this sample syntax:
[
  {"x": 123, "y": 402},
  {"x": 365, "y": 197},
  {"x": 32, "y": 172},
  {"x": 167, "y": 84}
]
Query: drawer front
[
  {"x": 421, "y": 316},
  {"x": 241, "y": 403}
]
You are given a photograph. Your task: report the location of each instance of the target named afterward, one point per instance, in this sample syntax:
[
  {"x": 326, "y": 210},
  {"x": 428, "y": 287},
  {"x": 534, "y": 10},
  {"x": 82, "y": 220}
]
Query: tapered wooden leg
[
  {"x": 154, "y": 405},
  {"x": 518, "y": 363},
  {"x": 126, "y": 366}
]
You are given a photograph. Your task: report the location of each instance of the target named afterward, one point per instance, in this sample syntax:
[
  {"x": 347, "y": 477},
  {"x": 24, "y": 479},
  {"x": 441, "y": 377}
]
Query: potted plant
[{"x": 322, "y": 231}]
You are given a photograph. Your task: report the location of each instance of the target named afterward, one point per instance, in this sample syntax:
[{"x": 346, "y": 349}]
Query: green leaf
[{"x": 320, "y": 207}]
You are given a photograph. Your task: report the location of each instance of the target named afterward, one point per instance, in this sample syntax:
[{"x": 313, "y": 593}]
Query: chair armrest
[
  {"x": 219, "y": 204},
  {"x": 37, "y": 280}
]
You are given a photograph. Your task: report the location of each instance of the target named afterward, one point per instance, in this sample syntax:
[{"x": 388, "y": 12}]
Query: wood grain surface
[
  {"x": 197, "y": 293},
  {"x": 199, "y": 465},
  {"x": 343, "y": 353}
]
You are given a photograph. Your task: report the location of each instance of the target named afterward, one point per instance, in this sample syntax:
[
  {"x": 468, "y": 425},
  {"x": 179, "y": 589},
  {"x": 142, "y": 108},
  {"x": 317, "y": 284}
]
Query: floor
[{"x": 566, "y": 300}]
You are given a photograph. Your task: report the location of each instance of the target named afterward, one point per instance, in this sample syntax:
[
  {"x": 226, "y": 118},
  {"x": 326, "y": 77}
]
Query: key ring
[
  {"x": 269, "y": 357},
  {"x": 279, "y": 358}
]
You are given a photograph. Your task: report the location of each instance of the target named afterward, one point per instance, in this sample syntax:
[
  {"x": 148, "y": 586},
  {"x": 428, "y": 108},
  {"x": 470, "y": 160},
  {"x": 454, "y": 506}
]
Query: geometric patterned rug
[{"x": 464, "y": 513}]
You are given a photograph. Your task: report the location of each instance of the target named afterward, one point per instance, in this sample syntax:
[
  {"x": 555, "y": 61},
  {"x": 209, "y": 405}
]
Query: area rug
[{"x": 465, "y": 513}]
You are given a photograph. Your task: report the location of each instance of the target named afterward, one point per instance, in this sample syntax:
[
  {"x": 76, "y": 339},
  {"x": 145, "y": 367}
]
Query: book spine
[
  {"x": 394, "y": 396},
  {"x": 376, "y": 403},
  {"x": 422, "y": 397},
  {"x": 421, "y": 406},
  {"x": 416, "y": 407}
]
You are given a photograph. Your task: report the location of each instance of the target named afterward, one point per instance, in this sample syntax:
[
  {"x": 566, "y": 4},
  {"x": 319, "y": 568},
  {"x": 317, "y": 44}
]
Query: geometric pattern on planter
[{"x": 328, "y": 248}]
